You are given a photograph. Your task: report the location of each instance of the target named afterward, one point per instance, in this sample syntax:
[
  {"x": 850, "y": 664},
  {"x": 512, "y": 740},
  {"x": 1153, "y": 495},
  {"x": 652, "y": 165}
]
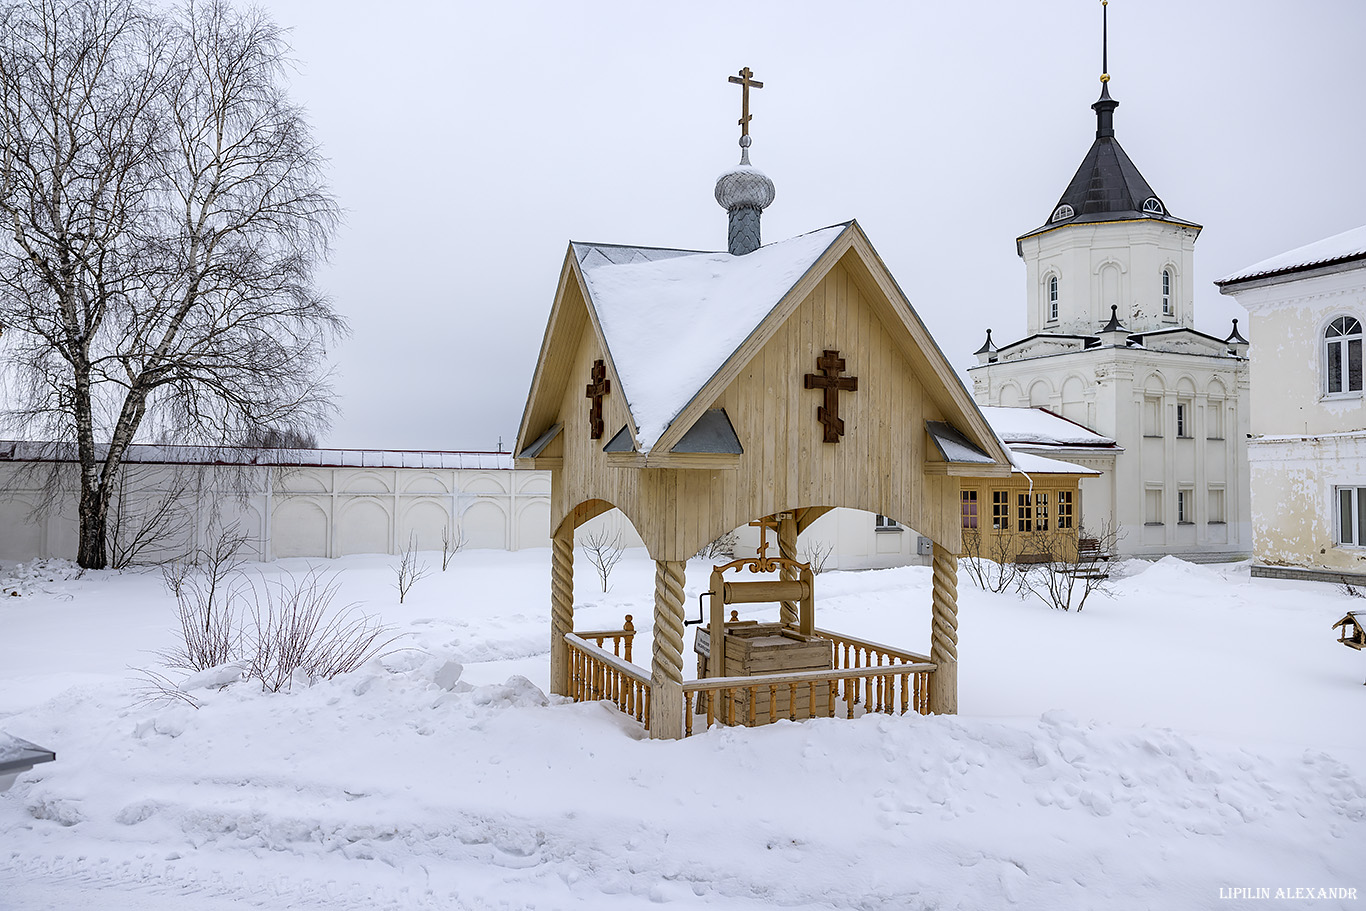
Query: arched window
[
  {"x": 1062, "y": 212},
  {"x": 1166, "y": 292},
  {"x": 1342, "y": 355},
  {"x": 1052, "y": 298}
]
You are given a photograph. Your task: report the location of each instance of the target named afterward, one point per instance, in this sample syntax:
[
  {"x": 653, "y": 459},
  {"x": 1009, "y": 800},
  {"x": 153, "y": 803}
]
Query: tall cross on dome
[{"x": 746, "y": 81}]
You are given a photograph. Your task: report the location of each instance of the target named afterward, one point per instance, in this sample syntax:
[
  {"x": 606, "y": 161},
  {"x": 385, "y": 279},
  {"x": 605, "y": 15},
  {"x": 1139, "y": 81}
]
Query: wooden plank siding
[{"x": 878, "y": 465}]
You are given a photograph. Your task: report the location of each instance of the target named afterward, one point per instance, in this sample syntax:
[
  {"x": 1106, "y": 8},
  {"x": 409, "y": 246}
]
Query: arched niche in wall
[
  {"x": 363, "y": 482},
  {"x": 1009, "y": 395},
  {"x": 300, "y": 480},
  {"x": 21, "y": 532},
  {"x": 1074, "y": 399},
  {"x": 424, "y": 482},
  {"x": 485, "y": 525},
  {"x": 533, "y": 525},
  {"x": 298, "y": 528},
  {"x": 1040, "y": 393},
  {"x": 422, "y": 523},
  {"x": 485, "y": 482},
  {"x": 363, "y": 528}
]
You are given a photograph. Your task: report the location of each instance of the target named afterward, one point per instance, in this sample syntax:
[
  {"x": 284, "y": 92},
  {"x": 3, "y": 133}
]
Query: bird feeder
[{"x": 1353, "y": 629}]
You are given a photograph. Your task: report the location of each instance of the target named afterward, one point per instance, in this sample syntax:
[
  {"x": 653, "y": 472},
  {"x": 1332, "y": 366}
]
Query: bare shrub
[
  {"x": 452, "y": 542},
  {"x": 296, "y": 633},
  {"x": 988, "y": 560},
  {"x": 410, "y": 569},
  {"x": 141, "y": 522},
  {"x": 722, "y": 547},
  {"x": 208, "y": 603},
  {"x": 817, "y": 553},
  {"x": 1066, "y": 574},
  {"x": 604, "y": 549}
]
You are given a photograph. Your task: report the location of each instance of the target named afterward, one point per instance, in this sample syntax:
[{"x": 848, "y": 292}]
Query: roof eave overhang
[{"x": 1292, "y": 273}]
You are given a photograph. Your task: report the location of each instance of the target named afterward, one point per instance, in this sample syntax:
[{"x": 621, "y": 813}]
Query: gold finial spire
[
  {"x": 1104, "y": 41},
  {"x": 746, "y": 81}
]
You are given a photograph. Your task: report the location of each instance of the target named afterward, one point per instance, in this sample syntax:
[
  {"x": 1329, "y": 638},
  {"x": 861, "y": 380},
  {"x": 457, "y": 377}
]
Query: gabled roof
[
  {"x": 636, "y": 292},
  {"x": 677, "y": 326},
  {"x": 1347, "y": 247}
]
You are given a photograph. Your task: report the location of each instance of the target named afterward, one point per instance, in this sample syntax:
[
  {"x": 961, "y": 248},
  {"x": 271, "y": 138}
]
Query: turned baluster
[
  {"x": 687, "y": 714},
  {"x": 848, "y": 700},
  {"x": 630, "y": 628},
  {"x": 646, "y": 719},
  {"x": 753, "y": 695},
  {"x": 772, "y": 702},
  {"x": 792, "y": 702},
  {"x": 905, "y": 691},
  {"x": 811, "y": 699},
  {"x": 834, "y": 691},
  {"x": 711, "y": 707},
  {"x": 730, "y": 707}
]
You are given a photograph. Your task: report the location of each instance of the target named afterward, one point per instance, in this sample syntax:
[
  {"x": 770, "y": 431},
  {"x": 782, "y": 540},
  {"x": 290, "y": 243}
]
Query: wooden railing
[
  {"x": 894, "y": 687},
  {"x": 854, "y": 653},
  {"x": 596, "y": 674},
  {"x": 621, "y": 638}
]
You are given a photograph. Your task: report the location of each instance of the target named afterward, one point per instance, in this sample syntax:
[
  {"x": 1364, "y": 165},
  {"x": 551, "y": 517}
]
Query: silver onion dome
[{"x": 744, "y": 186}]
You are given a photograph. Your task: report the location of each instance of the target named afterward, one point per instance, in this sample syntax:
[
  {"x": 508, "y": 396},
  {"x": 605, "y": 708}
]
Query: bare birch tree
[{"x": 162, "y": 212}]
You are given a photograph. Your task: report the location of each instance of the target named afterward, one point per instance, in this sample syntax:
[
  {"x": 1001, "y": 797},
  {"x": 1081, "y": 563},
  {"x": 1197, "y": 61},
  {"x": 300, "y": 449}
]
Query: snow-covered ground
[{"x": 1200, "y": 731}]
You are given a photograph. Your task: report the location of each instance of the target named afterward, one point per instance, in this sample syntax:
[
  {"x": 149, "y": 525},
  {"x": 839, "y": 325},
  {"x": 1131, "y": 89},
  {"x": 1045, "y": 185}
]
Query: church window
[
  {"x": 1024, "y": 513},
  {"x": 1152, "y": 506},
  {"x": 1216, "y": 506},
  {"x": 1153, "y": 206},
  {"x": 1063, "y": 211},
  {"x": 1000, "y": 510},
  {"x": 1351, "y": 524},
  {"x": 1166, "y": 292},
  {"x": 1342, "y": 355},
  {"x": 969, "y": 508},
  {"x": 1065, "y": 514},
  {"x": 1183, "y": 419},
  {"x": 1052, "y": 297}
]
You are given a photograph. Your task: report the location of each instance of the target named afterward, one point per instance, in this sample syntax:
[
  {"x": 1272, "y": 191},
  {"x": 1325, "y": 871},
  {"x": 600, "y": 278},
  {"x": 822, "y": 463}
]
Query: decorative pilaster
[
  {"x": 787, "y": 547},
  {"x": 666, "y": 669},
  {"x": 944, "y": 633},
  {"x": 561, "y": 606}
]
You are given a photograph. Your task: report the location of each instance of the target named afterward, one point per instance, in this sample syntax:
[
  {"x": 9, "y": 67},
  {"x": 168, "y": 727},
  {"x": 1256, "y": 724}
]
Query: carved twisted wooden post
[
  {"x": 561, "y": 606},
  {"x": 787, "y": 547},
  {"x": 666, "y": 669},
  {"x": 944, "y": 632}
]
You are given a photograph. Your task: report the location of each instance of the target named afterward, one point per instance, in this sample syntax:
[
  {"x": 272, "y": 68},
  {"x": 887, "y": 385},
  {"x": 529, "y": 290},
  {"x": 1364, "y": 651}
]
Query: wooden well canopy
[{"x": 777, "y": 385}]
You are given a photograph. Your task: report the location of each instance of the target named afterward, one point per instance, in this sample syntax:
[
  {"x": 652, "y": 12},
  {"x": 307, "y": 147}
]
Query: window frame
[
  {"x": 1066, "y": 512},
  {"x": 1343, "y": 342},
  {"x": 1357, "y": 497},
  {"x": 885, "y": 523},
  {"x": 1024, "y": 512},
  {"x": 1051, "y": 289},
  {"x": 1185, "y": 506},
  {"x": 1000, "y": 510},
  {"x": 1183, "y": 421},
  {"x": 970, "y": 509},
  {"x": 1167, "y": 308}
]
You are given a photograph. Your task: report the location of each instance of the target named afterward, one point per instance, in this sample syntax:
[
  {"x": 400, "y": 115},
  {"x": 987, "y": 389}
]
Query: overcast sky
[{"x": 470, "y": 142}]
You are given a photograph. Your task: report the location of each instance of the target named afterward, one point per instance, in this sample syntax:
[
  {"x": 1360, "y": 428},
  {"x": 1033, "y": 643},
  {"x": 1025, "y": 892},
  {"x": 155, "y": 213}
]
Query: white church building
[{"x": 1111, "y": 345}]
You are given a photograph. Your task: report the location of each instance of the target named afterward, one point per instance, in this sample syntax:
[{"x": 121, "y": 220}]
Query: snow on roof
[
  {"x": 1034, "y": 425},
  {"x": 1028, "y": 463},
  {"x": 233, "y": 455},
  {"x": 1347, "y": 245},
  {"x": 671, "y": 318}
]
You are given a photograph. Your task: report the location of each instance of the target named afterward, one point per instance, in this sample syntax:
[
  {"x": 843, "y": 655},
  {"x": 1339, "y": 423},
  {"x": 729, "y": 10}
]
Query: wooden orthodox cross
[
  {"x": 746, "y": 82},
  {"x": 600, "y": 386},
  {"x": 831, "y": 365}
]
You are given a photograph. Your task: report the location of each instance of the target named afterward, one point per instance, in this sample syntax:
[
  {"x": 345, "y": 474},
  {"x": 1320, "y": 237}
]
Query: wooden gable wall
[{"x": 878, "y": 465}]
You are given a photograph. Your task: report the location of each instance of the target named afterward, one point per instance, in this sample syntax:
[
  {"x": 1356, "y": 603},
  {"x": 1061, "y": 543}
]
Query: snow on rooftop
[
  {"x": 20, "y": 451},
  {"x": 671, "y": 319},
  {"x": 1034, "y": 425},
  {"x": 1029, "y": 464},
  {"x": 1331, "y": 249}
]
